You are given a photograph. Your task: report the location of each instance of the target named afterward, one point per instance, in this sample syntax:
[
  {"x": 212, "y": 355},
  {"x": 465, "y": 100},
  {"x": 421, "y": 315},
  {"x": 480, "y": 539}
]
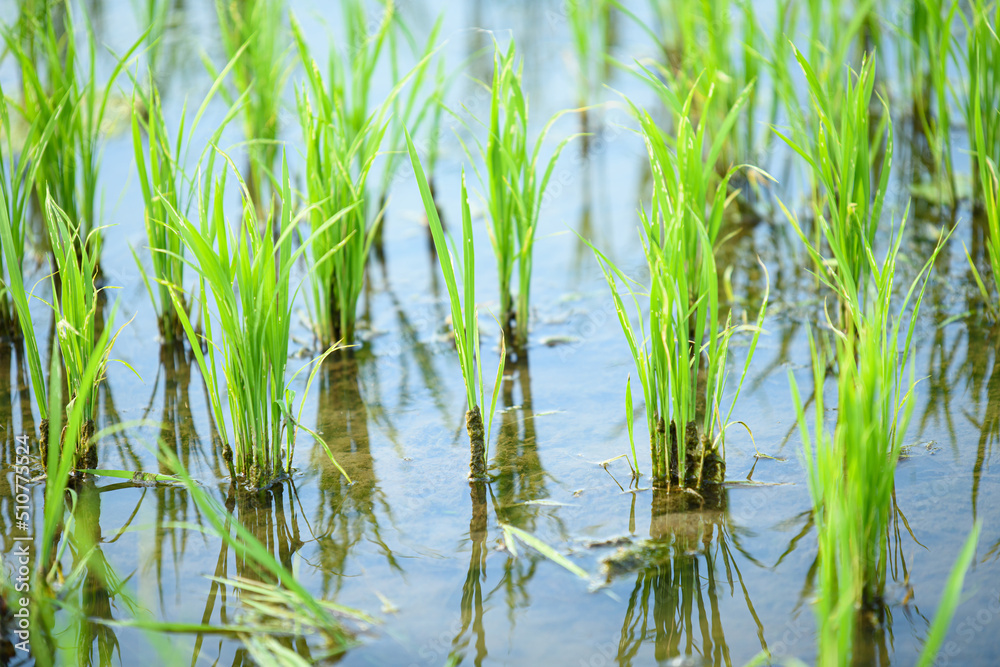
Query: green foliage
[
  {"x": 461, "y": 294},
  {"x": 697, "y": 40},
  {"x": 410, "y": 111},
  {"x": 13, "y": 285},
  {"x": 246, "y": 271},
  {"x": 844, "y": 162},
  {"x": 933, "y": 49},
  {"x": 165, "y": 186},
  {"x": 253, "y": 35},
  {"x": 54, "y": 96},
  {"x": 852, "y": 473},
  {"x": 990, "y": 181},
  {"x": 983, "y": 88},
  {"x": 342, "y": 139},
  {"x": 77, "y": 306},
  {"x": 54, "y": 589},
  {"x": 18, "y": 169},
  {"x": 515, "y": 186},
  {"x": 682, "y": 363}
]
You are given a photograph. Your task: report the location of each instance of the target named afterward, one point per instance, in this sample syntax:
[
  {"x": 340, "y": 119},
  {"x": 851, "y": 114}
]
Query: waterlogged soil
[{"x": 408, "y": 541}]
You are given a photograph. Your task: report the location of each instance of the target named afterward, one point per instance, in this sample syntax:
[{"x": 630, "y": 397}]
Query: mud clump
[
  {"x": 477, "y": 444},
  {"x": 703, "y": 463},
  {"x": 86, "y": 447}
]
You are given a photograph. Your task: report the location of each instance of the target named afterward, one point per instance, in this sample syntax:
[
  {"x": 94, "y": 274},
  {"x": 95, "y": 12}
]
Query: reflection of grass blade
[
  {"x": 248, "y": 275},
  {"x": 243, "y": 542}
]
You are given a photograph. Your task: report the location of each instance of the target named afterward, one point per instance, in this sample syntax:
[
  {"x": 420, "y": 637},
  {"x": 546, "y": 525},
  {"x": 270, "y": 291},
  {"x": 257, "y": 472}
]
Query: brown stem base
[{"x": 477, "y": 444}]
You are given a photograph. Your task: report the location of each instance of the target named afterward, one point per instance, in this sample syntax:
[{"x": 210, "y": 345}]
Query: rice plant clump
[
  {"x": 464, "y": 317},
  {"x": 990, "y": 179},
  {"x": 77, "y": 308},
  {"x": 342, "y": 138},
  {"x": 931, "y": 38},
  {"x": 246, "y": 301},
  {"x": 984, "y": 127},
  {"x": 160, "y": 177},
  {"x": 253, "y": 34},
  {"x": 515, "y": 185},
  {"x": 852, "y": 473},
  {"x": 983, "y": 87},
  {"x": 697, "y": 39},
  {"x": 55, "y": 95},
  {"x": 681, "y": 360},
  {"x": 847, "y": 165},
  {"x": 159, "y": 162},
  {"x": 18, "y": 167}
]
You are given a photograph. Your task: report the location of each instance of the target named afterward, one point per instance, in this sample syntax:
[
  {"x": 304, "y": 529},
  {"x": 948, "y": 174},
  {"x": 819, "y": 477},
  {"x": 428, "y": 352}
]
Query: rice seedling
[
  {"x": 697, "y": 39},
  {"x": 852, "y": 473},
  {"x": 343, "y": 133},
  {"x": 13, "y": 281},
  {"x": 165, "y": 186},
  {"x": 932, "y": 50},
  {"x": 248, "y": 278},
  {"x": 682, "y": 363},
  {"x": 412, "y": 110},
  {"x": 515, "y": 185},
  {"x": 684, "y": 160},
  {"x": 990, "y": 185},
  {"x": 89, "y": 584},
  {"x": 342, "y": 139},
  {"x": 55, "y": 95},
  {"x": 843, "y": 161},
  {"x": 253, "y": 35},
  {"x": 18, "y": 169},
  {"x": 851, "y": 479},
  {"x": 464, "y": 318},
  {"x": 830, "y": 46},
  {"x": 983, "y": 88},
  {"x": 77, "y": 311}
]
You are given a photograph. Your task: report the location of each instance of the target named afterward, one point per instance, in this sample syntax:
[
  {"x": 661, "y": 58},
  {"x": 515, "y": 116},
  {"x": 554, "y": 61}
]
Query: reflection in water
[
  {"x": 519, "y": 476},
  {"x": 95, "y": 594},
  {"x": 8, "y": 454},
  {"x": 675, "y": 602},
  {"x": 177, "y": 434},
  {"x": 472, "y": 589},
  {"x": 91, "y": 592},
  {"x": 968, "y": 365},
  {"x": 345, "y": 514},
  {"x": 263, "y": 513}
]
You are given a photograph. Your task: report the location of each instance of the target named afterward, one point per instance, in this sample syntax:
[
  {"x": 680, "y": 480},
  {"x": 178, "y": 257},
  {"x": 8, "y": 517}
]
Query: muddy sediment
[
  {"x": 86, "y": 448},
  {"x": 703, "y": 464},
  {"x": 477, "y": 444}
]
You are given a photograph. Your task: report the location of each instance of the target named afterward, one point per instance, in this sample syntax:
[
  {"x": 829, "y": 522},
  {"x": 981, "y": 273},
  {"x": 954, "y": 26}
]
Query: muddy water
[{"x": 411, "y": 543}]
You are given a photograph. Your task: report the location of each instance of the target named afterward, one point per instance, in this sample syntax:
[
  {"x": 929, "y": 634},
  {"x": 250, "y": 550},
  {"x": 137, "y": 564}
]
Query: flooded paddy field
[{"x": 417, "y": 565}]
